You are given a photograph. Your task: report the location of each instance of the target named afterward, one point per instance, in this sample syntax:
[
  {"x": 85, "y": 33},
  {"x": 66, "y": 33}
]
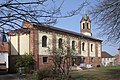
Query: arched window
[
  {"x": 73, "y": 45},
  {"x": 83, "y": 25},
  {"x": 91, "y": 47},
  {"x": 60, "y": 43},
  {"x": 83, "y": 46},
  {"x": 44, "y": 41}
]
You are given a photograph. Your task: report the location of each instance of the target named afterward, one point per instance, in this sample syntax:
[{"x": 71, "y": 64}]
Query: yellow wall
[
  {"x": 85, "y": 52},
  {"x": 64, "y": 40},
  {"x": 14, "y": 45},
  {"x": 44, "y": 50},
  {"x": 76, "y": 44},
  {"x": 24, "y": 44},
  {"x": 92, "y": 53},
  {"x": 99, "y": 50}
]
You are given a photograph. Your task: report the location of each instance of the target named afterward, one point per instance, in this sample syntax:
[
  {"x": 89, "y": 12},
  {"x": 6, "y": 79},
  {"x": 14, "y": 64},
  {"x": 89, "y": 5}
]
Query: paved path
[
  {"x": 10, "y": 77},
  {"x": 16, "y": 77}
]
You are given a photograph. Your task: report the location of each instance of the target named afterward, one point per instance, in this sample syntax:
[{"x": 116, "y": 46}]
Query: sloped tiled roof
[
  {"x": 85, "y": 17},
  {"x": 106, "y": 55},
  {"x": 39, "y": 25},
  {"x": 21, "y": 30},
  {"x": 63, "y": 30}
]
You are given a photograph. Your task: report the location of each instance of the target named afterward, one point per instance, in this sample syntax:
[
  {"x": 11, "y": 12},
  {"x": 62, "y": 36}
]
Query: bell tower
[{"x": 85, "y": 25}]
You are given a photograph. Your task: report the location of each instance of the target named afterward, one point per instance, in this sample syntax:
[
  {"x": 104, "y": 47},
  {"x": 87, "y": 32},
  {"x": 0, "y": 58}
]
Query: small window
[
  {"x": 83, "y": 25},
  {"x": 83, "y": 46},
  {"x": 44, "y": 41},
  {"x": 91, "y": 47},
  {"x": 60, "y": 43},
  {"x": 45, "y": 59},
  {"x": 73, "y": 45}
]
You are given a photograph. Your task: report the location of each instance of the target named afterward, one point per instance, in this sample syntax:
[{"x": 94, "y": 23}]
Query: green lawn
[{"x": 104, "y": 73}]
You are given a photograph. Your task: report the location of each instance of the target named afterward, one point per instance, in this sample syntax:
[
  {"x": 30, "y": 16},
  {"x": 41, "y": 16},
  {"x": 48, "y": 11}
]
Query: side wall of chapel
[{"x": 32, "y": 43}]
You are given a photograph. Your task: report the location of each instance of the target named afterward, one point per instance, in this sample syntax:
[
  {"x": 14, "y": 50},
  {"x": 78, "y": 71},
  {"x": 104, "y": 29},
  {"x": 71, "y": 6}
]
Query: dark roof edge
[
  {"x": 24, "y": 30},
  {"x": 106, "y": 55},
  {"x": 67, "y": 31}
]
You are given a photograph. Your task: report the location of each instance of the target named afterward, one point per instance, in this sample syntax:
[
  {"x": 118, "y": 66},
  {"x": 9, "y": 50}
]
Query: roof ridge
[{"x": 65, "y": 30}]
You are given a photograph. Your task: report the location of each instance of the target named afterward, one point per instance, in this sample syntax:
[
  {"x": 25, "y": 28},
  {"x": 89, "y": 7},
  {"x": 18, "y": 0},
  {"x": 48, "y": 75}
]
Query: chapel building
[{"x": 35, "y": 38}]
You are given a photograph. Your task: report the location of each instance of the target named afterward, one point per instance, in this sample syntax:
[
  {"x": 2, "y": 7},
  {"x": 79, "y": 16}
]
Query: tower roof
[{"x": 85, "y": 17}]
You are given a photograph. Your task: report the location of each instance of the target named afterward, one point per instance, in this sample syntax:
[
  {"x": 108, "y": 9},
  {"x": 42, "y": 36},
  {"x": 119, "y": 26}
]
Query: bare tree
[
  {"x": 107, "y": 15},
  {"x": 61, "y": 58},
  {"x": 13, "y": 12}
]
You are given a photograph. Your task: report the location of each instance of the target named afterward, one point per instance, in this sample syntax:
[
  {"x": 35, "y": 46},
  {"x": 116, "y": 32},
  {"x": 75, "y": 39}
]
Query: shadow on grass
[
  {"x": 114, "y": 74},
  {"x": 88, "y": 76},
  {"x": 106, "y": 73}
]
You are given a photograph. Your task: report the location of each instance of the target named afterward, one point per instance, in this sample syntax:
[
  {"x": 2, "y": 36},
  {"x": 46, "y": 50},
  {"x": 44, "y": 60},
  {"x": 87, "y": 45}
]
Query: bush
[
  {"x": 51, "y": 74},
  {"x": 25, "y": 61},
  {"x": 44, "y": 73}
]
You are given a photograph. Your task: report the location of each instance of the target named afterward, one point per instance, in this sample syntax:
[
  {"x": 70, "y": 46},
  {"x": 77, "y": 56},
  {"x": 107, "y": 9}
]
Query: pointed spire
[
  {"x": 85, "y": 14},
  {"x": 85, "y": 17},
  {"x": 84, "y": 10}
]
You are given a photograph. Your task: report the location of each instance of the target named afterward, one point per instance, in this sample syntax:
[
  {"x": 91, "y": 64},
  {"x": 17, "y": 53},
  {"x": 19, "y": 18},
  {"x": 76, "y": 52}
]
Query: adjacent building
[
  {"x": 35, "y": 38},
  {"x": 107, "y": 59},
  {"x": 4, "y": 61},
  {"x": 117, "y": 57}
]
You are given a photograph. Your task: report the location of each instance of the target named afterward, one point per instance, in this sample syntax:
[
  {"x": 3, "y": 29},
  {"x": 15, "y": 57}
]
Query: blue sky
[{"x": 73, "y": 23}]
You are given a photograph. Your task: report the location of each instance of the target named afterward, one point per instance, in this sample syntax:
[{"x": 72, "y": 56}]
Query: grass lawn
[{"x": 103, "y": 73}]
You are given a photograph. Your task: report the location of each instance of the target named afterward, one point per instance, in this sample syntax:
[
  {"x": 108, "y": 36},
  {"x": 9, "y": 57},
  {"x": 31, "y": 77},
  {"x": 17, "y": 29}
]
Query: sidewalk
[{"x": 9, "y": 77}]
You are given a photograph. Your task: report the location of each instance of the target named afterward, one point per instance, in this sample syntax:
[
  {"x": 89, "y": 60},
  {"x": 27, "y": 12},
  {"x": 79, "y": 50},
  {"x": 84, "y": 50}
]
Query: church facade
[{"x": 34, "y": 38}]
